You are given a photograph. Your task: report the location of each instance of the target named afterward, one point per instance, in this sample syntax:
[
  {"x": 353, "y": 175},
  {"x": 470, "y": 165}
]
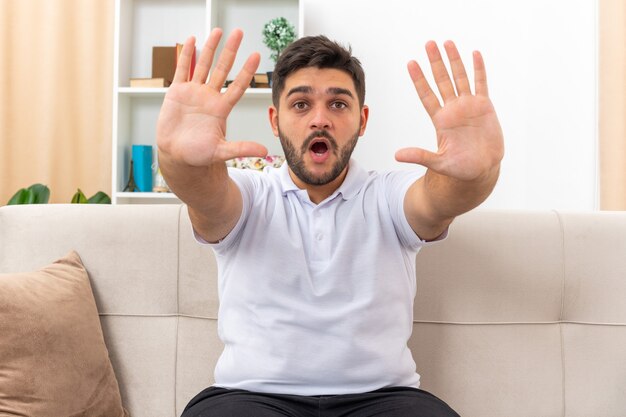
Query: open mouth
[
  {"x": 319, "y": 147},
  {"x": 319, "y": 150}
]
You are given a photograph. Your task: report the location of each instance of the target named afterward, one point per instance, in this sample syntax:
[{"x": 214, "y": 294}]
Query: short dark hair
[{"x": 320, "y": 52}]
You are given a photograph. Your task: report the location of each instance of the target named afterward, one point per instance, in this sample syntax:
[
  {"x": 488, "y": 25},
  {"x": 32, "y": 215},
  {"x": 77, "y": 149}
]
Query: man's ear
[
  {"x": 273, "y": 115},
  {"x": 365, "y": 113}
]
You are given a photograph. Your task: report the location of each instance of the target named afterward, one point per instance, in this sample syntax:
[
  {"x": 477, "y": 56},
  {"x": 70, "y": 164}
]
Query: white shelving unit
[{"x": 142, "y": 24}]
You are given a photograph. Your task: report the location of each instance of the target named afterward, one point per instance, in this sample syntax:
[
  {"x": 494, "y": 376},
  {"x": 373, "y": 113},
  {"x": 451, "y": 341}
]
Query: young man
[{"x": 316, "y": 259}]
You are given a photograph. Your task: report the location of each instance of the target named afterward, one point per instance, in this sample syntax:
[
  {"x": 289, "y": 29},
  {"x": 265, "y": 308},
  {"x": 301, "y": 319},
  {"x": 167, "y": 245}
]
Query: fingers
[
  {"x": 480, "y": 75},
  {"x": 226, "y": 60},
  {"x": 458, "y": 69},
  {"x": 442, "y": 78},
  {"x": 419, "y": 156},
  {"x": 205, "y": 60},
  {"x": 182, "y": 68},
  {"x": 238, "y": 87},
  {"x": 223, "y": 67},
  {"x": 425, "y": 93},
  {"x": 231, "y": 150},
  {"x": 440, "y": 72}
]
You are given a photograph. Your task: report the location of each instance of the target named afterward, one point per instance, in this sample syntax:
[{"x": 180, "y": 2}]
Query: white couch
[{"x": 517, "y": 313}]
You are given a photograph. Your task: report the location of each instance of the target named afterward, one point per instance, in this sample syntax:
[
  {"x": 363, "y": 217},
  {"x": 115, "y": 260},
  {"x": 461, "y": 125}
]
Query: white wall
[{"x": 541, "y": 67}]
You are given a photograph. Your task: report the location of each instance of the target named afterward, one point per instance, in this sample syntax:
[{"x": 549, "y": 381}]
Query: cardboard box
[
  {"x": 165, "y": 59},
  {"x": 261, "y": 81},
  {"x": 164, "y": 63},
  {"x": 149, "y": 82}
]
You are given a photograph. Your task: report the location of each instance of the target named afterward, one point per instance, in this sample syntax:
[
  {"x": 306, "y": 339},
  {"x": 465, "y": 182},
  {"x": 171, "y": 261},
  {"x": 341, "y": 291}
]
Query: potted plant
[
  {"x": 35, "y": 194},
  {"x": 277, "y": 34},
  {"x": 40, "y": 194}
]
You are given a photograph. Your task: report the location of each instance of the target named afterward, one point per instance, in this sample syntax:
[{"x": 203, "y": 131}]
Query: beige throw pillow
[{"x": 53, "y": 360}]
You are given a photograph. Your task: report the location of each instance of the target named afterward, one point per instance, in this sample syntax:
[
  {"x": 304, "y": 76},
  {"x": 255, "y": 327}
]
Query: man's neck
[{"x": 319, "y": 193}]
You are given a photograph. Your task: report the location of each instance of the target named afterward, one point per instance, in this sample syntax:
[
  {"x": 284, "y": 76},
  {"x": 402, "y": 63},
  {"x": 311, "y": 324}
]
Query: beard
[{"x": 295, "y": 158}]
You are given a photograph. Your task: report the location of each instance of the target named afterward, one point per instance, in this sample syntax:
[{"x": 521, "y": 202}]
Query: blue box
[{"x": 142, "y": 167}]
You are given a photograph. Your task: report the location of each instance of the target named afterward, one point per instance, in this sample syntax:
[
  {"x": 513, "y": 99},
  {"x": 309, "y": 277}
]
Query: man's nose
[{"x": 320, "y": 119}]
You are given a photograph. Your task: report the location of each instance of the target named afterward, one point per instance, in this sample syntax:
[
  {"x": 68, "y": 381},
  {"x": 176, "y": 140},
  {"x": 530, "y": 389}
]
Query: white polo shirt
[{"x": 318, "y": 299}]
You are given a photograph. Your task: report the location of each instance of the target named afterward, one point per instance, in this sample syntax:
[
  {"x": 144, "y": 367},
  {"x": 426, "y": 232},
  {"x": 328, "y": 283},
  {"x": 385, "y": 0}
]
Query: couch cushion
[
  {"x": 54, "y": 359},
  {"x": 495, "y": 267}
]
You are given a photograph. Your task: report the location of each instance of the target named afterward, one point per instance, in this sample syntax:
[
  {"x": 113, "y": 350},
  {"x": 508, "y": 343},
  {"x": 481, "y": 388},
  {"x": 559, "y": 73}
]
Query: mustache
[{"x": 319, "y": 134}]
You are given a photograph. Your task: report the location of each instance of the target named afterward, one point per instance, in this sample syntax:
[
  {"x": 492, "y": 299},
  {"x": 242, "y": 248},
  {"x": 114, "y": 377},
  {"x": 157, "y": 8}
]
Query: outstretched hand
[
  {"x": 469, "y": 138},
  {"x": 191, "y": 128}
]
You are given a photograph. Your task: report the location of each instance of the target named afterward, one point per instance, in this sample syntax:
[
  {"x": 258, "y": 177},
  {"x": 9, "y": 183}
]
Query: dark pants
[{"x": 386, "y": 402}]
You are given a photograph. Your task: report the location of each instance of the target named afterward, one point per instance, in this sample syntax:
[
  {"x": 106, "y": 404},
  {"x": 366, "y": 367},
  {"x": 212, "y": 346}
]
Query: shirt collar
[{"x": 349, "y": 188}]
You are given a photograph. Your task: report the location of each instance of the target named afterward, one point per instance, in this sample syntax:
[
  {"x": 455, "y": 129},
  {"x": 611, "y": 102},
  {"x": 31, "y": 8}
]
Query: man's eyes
[
  {"x": 302, "y": 105},
  {"x": 338, "y": 105}
]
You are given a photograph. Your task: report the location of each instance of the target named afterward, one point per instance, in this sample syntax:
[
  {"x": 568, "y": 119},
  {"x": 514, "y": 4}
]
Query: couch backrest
[
  {"x": 524, "y": 314},
  {"x": 516, "y": 314},
  {"x": 154, "y": 287}
]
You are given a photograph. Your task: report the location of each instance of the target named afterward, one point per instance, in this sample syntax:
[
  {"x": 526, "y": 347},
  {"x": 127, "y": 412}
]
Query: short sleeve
[
  {"x": 396, "y": 185},
  {"x": 245, "y": 181}
]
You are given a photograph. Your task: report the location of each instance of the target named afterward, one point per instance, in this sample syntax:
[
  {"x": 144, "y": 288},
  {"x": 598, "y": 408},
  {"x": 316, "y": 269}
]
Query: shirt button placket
[{"x": 319, "y": 236}]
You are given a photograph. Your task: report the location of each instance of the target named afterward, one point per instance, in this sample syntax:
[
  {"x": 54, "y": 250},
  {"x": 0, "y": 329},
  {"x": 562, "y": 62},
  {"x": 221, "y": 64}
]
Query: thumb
[
  {"x": 230, "y": 150},
  {"x": 419, "y": 156}
]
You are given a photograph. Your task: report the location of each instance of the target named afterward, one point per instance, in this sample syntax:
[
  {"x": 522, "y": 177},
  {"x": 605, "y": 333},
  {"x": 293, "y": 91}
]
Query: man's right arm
[
  {"x": 213, "y": 199},
  {"x": 191, "y": 136}
]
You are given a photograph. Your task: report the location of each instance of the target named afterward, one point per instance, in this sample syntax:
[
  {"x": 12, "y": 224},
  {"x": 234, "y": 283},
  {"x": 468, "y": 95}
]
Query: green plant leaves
[
  {"x": 79, "y": 198},
  {"x": 40, "y": 194},
  {"x": 35, "y": 194},
  {"x": 277, "y": 34},
  {"x": 20, "y": 197},
  {"x": 98, "y": 198}
]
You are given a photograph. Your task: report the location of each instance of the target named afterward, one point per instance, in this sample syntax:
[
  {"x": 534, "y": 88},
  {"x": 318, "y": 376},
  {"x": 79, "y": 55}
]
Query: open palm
[
  {"x": 469, "y": 138},
  {"x": 192, "y": 123}
]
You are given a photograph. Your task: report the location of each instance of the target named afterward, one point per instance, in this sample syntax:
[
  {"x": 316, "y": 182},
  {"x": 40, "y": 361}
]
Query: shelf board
[
  {"x": 142, "y": 92},
  {"x": 256, "y": 92},
  {"x": 155, "y": 92},
  {"x": 146, "y": 195}
]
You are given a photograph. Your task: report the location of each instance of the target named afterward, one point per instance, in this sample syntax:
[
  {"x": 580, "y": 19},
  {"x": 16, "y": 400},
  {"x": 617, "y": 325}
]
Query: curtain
[
  {"x": 612, "y": 104},
  {"x": 56, "y": 92}
]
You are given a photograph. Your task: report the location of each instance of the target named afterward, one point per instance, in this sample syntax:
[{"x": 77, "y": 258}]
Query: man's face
[{"x": 318, "y": 122}]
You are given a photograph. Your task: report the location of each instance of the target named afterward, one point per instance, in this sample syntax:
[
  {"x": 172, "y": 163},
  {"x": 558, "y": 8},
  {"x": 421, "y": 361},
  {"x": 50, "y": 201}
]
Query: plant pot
[{"x": 269, "y": 77}]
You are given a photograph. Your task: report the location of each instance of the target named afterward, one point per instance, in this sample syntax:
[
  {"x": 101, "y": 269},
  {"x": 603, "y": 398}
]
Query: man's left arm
[{"x": 465, "y": 168}]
